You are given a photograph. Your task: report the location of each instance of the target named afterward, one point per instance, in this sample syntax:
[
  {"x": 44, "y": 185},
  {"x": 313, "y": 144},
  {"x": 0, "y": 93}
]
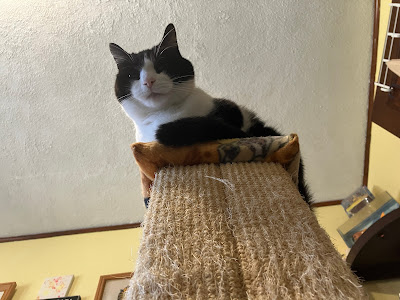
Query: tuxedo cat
[{"x": 156, "y": 88}]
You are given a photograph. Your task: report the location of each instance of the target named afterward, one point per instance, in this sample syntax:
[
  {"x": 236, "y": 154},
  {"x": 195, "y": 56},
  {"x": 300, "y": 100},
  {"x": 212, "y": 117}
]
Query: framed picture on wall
[
  {"x": 110, "y": 286},
  {"x": 7, "y": 290}
]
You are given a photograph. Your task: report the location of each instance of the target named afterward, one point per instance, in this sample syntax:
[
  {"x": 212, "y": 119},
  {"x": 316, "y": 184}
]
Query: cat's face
[{"x": 156, "y": 77}]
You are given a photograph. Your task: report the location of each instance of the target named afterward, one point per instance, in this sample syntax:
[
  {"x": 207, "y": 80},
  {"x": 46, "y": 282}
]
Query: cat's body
[{"x": 157, "y": 91}]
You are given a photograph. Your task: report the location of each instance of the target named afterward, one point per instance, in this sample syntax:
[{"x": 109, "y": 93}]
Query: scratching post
[{"x": 235, "y": 231}]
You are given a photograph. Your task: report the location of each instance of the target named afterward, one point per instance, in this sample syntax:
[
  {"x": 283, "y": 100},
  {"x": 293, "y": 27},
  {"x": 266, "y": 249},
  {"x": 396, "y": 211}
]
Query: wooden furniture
[{"x": 376, "y": 254}]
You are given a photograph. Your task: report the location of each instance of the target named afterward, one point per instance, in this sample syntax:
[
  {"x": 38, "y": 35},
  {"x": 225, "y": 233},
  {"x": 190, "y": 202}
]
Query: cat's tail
[
  {"x": 189, "y": 131},
  {"x": 303, "y": 187}
]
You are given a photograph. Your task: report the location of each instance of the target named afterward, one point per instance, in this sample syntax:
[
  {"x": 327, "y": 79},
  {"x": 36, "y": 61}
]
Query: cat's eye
[{"x": 132, "y": 75}]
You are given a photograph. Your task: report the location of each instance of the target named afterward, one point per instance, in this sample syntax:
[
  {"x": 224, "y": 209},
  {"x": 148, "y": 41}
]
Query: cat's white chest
[
  {"x": 147, "y": 121},
  {"x": 146, "y": 129},
  {"x": 146, "y": 133}
]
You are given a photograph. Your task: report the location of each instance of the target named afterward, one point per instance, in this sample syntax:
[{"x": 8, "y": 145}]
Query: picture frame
[
  {"x": 7, "y": 290},
  {"x": 109, "y": 286}
]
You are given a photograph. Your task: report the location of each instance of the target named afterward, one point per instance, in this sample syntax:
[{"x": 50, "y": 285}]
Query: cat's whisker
[
  {"x": 184, "y": 81},
  {"x": 131, "y": 58},
  {"x": 168, "y": 48},
  {"x": 188, "y": 90},
  {"x": 183, "y": 88},
  {"x": 177, "y": 87},
  {"x": 174, "y": 78},
  {"x": 159, "y": 45},
  {"x": 183, "y": 84},
  {"x": 124, "y": 97}
]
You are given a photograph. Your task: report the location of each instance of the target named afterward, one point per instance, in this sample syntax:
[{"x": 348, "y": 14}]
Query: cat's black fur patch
[
  {"x": 228, "y": 112},
  {"x": 258, "y": 128},
  {"x": 189, "y": 131},
  {"x": 303, "y": 187}
]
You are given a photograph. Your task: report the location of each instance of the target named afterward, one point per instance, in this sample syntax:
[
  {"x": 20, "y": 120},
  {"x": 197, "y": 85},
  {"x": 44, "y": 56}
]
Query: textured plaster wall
[{"x": 65, "y": 157}]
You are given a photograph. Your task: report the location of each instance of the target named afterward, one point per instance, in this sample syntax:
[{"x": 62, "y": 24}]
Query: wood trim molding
[
  {"x": 326, "y": 203},
  {"x": 103, "y": 280},
  {"x": 67, "y": 232},
  {"x": 371, "y": 89},
  {"x": 107, "y": 228}
]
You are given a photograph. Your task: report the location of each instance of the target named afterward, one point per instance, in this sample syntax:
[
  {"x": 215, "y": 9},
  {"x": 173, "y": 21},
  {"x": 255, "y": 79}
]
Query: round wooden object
[{"x": 376, "y": 254}]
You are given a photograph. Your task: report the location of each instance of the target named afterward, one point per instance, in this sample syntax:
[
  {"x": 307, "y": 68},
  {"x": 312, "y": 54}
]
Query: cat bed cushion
[{"x": 153, "y": 156}]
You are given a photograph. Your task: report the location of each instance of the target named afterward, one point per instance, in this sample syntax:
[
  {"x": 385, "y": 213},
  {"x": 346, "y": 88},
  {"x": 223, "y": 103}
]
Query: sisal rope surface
[{"x": 235, "y": 231}]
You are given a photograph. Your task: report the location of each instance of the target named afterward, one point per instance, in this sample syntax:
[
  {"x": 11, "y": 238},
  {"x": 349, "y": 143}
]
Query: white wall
[{"x": 65, "y": 157}]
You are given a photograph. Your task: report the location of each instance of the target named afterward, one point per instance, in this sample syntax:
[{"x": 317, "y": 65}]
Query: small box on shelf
[{"x": 364, "y": 210}]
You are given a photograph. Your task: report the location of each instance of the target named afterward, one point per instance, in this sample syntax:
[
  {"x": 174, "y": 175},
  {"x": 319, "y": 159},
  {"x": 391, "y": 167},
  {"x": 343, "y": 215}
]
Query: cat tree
[{"x": 236, "y": 230}]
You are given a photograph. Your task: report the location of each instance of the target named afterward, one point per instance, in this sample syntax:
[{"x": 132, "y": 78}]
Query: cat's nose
[{"x": 149, "y": 82}]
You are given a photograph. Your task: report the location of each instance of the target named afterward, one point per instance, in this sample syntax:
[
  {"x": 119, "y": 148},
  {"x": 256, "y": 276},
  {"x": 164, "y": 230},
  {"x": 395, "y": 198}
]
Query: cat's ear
[
  {"x": 169, "y": 38},
  {"x": 120, "y": 55}
]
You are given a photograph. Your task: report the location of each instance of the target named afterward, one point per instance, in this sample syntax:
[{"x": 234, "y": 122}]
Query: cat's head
[{"x": 156, "y": 77}]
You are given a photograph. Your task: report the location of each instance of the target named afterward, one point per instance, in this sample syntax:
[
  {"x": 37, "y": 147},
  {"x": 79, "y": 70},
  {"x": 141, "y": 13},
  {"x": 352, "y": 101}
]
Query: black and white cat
[{"x": 156, "y": 88}]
